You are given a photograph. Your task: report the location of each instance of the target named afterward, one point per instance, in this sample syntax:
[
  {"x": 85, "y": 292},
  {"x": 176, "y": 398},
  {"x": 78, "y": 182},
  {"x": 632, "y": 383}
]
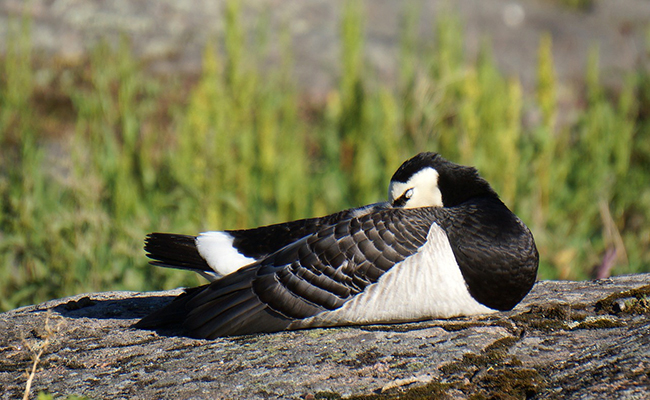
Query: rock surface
[{"x": 580, "y": 340}]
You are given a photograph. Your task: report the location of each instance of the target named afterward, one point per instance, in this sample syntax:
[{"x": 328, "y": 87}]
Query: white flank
[
  {"x": 218, "y": 251},
  {"x": 426, "y": 285},
  {"x": 426, "y": 192}
]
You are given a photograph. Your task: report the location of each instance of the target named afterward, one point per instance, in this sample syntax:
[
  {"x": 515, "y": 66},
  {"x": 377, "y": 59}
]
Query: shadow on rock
[{"x": 129, "y": 308}]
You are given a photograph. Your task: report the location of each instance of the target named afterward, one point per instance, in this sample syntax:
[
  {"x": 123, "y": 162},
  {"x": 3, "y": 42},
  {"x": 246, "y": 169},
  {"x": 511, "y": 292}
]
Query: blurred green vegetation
[{"x": 238, "y": 147}]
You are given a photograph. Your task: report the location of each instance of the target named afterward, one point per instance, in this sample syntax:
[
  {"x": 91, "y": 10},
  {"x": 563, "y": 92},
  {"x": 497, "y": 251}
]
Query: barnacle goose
[{"x": 444, "y": 245}]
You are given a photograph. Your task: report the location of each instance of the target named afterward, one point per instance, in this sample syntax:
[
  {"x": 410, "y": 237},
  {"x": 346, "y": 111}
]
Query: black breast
[{"x": 495, "y": 251}]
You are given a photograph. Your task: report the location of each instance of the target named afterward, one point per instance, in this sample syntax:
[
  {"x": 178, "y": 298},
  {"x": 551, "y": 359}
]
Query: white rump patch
[
  {"x": 426, "y": 192},
  {"x": 218, "y": 251},
  {"x": 426, "y": 285}
]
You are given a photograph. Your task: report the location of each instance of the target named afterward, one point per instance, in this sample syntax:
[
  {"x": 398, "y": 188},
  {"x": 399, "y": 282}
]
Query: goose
[{"x": 443, "y": 246}]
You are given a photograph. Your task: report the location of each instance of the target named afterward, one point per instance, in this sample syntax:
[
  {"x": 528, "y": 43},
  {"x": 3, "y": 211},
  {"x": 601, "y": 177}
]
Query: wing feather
[
  {"x": 318, "y": 273},
  {"x": 260, "y": 242}
]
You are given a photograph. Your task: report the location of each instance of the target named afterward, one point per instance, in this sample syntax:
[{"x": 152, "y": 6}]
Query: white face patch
[{"x": 425, "y": 190}]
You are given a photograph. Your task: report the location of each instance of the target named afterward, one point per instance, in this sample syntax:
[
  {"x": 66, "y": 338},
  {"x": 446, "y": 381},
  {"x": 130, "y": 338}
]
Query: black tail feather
[{"x": 175, "y": 251}]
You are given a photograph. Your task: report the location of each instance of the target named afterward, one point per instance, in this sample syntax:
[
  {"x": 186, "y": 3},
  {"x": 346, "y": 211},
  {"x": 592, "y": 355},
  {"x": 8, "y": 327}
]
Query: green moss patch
[
  {"x": 552, "y": 317},
  {"x": 634, "y": 301},
  {"x": 494, "y": 373},
  {"x": 365, "y": 358},
  {"x": 508, "y": 383}
]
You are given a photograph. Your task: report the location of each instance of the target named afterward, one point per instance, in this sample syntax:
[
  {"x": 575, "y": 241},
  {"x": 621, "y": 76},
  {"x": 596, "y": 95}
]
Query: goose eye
[{"x": 401, "y": 201}]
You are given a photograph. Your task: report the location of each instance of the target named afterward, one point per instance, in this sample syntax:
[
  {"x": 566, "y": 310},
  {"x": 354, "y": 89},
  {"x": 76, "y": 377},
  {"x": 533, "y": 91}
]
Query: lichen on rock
[{"x": 581, "y": 339}]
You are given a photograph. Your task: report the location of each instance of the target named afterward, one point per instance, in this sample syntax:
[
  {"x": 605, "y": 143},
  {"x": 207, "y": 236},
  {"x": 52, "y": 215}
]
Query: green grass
[{"x": 93, "y": 157}]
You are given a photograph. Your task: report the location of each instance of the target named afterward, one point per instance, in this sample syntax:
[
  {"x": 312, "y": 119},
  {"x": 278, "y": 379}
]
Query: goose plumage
[{"x": 444, "y": 245}]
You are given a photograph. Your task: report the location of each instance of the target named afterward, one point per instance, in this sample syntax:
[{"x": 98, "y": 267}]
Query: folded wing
[{"x": 318, "y": 273}]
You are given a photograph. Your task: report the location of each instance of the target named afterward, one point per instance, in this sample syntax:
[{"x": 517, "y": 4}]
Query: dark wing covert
[
  {"x": 316, "y": 274},
  {"x": 262, "y": 241}
]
